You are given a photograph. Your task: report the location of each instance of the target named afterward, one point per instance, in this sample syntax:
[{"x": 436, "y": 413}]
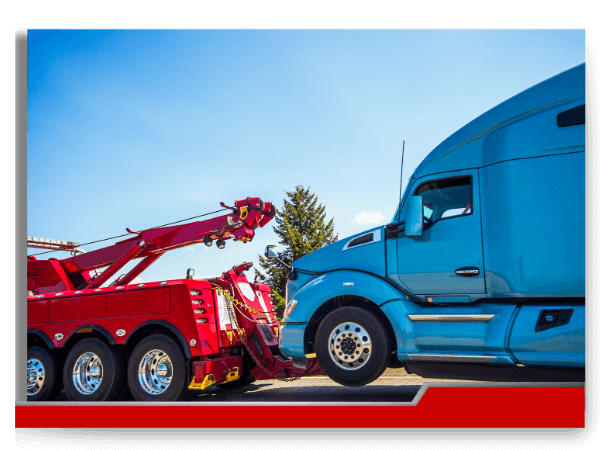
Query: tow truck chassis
[{"x": 160, "y": 339}]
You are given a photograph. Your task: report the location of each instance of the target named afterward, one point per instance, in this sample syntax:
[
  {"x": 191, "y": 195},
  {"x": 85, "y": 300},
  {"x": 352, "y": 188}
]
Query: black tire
[
  {"x": 98, "y": 358},
  {"x": 361, "y": 339},
  {"x": 150, "y": 386},
  {"x": 246, "y": 377},
  {"x": 42, "y": 364}
]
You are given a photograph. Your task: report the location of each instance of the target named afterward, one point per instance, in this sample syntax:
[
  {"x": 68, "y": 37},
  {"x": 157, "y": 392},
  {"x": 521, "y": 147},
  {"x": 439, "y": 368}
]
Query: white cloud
[
  {"x": 137, "y": 280},
  {"x": 368, "y": 218}
]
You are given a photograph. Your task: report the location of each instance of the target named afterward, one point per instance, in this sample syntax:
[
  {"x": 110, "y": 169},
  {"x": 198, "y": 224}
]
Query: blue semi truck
[{"x": 480, "y": 274}]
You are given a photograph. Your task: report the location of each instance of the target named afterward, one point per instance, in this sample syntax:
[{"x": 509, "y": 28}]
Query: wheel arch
[
  {"x": 36, "y": 336},
  {"x": 157, "y": 326},
  {"x": 82, "y": 333}
]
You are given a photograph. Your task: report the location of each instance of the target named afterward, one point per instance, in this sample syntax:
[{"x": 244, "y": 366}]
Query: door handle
[{"x": 467, "y": 272}]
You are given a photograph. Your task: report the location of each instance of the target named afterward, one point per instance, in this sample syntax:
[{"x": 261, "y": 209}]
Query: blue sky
[{"x": 140, "y": 128}]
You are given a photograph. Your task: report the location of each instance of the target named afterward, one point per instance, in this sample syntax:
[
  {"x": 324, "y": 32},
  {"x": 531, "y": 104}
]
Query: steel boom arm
[{"x": 239, "y": 225}]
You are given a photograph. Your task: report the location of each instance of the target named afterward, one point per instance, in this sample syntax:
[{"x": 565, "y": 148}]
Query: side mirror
[
  {"x": 271, "y": 251},
  {"x": 414, "y": 217}
]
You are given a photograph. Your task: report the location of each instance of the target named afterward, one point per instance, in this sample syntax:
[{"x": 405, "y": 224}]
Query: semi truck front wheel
[{"x": 352, "y": 346}]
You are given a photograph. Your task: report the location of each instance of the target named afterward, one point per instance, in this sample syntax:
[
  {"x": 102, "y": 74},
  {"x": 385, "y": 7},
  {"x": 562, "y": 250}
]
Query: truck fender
[
  {"x": 171, "y": 327},
  {"x": 97, "y": 328},
  {"x": 337, "y": 284},
  {"x": 393, "y": 304},
  {"x": 43, "y": 336}
]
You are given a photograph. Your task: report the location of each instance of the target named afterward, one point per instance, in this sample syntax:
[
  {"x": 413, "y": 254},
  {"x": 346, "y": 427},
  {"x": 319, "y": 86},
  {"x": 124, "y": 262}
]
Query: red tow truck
[{"x": 161, "y": 340}]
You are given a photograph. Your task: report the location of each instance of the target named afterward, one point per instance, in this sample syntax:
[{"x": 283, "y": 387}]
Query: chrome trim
[
  {"x": 36, "y": 374},
  {"x": 350, "y": 346},
  {"x": 155, "y": 372},
  {"x": 451, "y": 317},
  {"x": 481, "y": 359},
  {"x": 376, "y": 238},
  {"x": 120, "y": 332},
  {"x": 460, "y": 272},
  {"x": 87, "y": 373},
  {"x": 347, "y": 284}
]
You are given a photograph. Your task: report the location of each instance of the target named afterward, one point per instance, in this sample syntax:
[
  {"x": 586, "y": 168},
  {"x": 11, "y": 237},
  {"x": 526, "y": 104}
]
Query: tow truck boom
[{"x": 74, "y": 272}]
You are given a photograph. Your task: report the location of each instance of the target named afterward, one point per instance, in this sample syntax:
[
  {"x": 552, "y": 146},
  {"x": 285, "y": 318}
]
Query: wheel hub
[
  {"x": 155, "y": 372},
  {"x": 349, "y": 346},
  {"x": 87, "y": 373},
  {"x": 36, "y": 375}
]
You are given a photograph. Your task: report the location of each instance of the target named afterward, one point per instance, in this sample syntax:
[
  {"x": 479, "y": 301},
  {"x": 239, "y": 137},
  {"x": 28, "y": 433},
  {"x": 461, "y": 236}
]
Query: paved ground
[{"x": 395, "y": 385}]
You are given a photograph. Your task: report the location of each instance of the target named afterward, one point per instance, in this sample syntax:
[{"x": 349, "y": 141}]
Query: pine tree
[{"x": 302, "y": 228}]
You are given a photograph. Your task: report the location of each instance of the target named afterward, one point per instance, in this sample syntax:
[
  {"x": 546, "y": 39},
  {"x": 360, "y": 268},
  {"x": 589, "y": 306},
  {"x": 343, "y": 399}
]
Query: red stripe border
[{"x": 440, "y": 407}]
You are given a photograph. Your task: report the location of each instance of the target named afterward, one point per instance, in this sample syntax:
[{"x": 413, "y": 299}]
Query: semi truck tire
[
  {"x": 157, "y": 370},
  {"x": 93, "y": 372},
  {"x": 43, "y": 375},
  {"x": 352, "y": 346}
]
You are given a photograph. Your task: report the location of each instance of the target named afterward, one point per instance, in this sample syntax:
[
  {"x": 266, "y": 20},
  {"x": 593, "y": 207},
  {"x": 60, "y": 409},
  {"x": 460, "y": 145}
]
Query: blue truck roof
[{"x": 467, "y": 148}]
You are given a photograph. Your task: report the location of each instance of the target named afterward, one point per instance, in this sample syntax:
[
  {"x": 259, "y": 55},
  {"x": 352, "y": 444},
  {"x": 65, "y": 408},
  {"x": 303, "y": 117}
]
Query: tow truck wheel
[
  {"x": 157, "y": 370},
  {"x": 43, "y": 381},
  {"x": 93, "y": 371},
  {"x": 352, "y": 346}
]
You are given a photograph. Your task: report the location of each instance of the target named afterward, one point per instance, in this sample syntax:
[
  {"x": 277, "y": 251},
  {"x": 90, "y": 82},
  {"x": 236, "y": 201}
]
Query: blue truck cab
[{"x": 480, "y": 275}]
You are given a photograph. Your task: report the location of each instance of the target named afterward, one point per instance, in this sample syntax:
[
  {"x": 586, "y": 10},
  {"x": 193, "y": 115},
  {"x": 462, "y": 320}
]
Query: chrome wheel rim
[
  {"x": 155, "y": 372},
  {"x": 350, "y": 346},
  {"x": 36, "y": 374},
  {"x": 87, "y": 373}
]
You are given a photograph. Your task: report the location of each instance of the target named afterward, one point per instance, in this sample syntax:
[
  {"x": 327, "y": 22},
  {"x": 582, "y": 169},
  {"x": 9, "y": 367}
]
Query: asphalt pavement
[{"x": 395, "y": 385}]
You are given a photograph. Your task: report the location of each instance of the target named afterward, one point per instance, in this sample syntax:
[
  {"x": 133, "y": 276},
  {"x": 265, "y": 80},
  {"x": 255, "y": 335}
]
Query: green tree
[{"x": 302, "y": 228}]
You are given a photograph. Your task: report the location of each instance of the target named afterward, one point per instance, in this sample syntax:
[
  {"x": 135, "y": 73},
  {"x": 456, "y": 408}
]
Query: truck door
[{"x": 448, "y": 259}]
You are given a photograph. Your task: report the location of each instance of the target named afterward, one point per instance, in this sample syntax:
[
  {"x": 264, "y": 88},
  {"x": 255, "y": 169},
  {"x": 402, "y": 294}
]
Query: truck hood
[{"x": 363, "y": 251}]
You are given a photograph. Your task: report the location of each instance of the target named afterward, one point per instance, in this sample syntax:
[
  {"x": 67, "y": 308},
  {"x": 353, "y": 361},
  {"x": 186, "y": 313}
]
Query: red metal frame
[{"x": 151, "y": 244}]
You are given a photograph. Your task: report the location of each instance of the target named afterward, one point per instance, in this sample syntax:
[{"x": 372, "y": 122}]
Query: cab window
[{"x": 446, "y": 198}]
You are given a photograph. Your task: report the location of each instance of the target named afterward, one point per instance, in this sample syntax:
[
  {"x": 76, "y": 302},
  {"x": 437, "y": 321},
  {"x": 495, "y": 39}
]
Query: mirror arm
[
  {"x": 281, "y": 262},
  {"x": 393, "y": 229}
]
